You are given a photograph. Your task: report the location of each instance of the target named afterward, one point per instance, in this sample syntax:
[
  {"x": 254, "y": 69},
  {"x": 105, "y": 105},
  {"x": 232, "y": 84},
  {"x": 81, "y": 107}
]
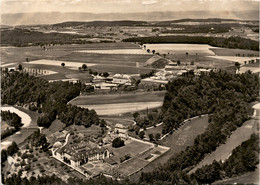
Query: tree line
[
  {"x": 48, "y": 98},
  {"x": 233, "y": 42},
  {"x": 243, "y": 159}
]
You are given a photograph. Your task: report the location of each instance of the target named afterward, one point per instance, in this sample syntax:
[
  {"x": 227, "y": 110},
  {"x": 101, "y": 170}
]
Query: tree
[
  {"x": 84, "y": 67},
  {"x": 141, "y": 134},
  {"x": 151, "y": 137},
  {"x": 178, "y": 62},
  {"x": 79, "y": 68},
  {"x": 103, "y": 123},
  {"x": 105, "y": 74},
  {"x": 118, "y": 142},
  {"x": 27, "y": 60},
  {"x": 62, "y": 64},
  {"x": 148, "y": 50},
  {"x": 153, "y": 51},
  {"x": 95, "y": 73},
  {"x": 157, "y": 136},
  {"x": 237, "y": 64},
  {"x": 191, "y": 63},
  {"x": 135, "y": 115},
  {"x": 20, "y": 67}
]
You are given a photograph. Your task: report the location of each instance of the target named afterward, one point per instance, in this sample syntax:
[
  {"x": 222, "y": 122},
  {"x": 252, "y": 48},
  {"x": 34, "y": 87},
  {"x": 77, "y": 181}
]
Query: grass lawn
[{"x": 131, "y": 147}]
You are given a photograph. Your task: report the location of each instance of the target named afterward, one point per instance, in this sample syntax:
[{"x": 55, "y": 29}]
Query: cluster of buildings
[
  {"x": 80, "y": 154},
  {"x": 111, "y": 83}
]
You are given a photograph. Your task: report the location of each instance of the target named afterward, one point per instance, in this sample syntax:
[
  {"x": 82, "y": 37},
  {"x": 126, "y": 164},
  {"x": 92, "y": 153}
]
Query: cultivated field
[
  {"x": 233, "y": 52},
  {"x": 116, "y": 51},
  {"x": 241, "y": 60},
  {"x": 120, "y": 103},
  {"x": 119, "y": 98},
  {"x": 106, "y": 58},
  {"x": 72, "y": 65},
  {"x": 181, "y": 48},
  {"x": 201, "y": 60}
]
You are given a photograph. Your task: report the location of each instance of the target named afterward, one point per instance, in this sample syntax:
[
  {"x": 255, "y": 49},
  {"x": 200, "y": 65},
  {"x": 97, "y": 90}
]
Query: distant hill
[
  {"x": 57, "y": 17},
  {"x": 215, "y": 20},
  {"x": 137, "y": 23},
  {"x": 100, "y": 23}
]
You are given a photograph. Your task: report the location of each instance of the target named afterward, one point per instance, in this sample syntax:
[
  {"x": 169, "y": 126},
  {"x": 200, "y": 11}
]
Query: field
[
  {"x": 201, "y": 60},
  {"x": 116, "y": 51},
  {"x": 139, "y": 152},
  {"x": 232, "y": 52},
  {"x": 181, "y": 48},
  {"x": 178, "y": 141},
  {"x": 120, "y": 103},
  {"x": 119, "y": 98},
  {"x": 241, "y": 60}
]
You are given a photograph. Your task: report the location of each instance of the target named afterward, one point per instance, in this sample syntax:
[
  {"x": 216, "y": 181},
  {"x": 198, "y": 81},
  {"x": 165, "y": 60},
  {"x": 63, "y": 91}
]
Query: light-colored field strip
[
  {"x": 116, "y": 51},
  {"x": 176, "y": 48},
  {"x": 120, "y": 108},
  {"x": 241, "y": 60},
  {"x": 73, "y": 65},
  {"x": 9, "y": 64},
  {"x": 253, "y": 69}
]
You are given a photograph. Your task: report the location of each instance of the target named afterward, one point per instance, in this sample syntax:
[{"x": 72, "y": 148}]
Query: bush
[{"x": 118, "y": 142}]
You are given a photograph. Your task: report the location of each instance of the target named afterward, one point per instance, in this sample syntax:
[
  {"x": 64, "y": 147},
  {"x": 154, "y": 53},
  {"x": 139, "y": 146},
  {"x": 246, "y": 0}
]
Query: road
[{"x": 29, "y": 127}]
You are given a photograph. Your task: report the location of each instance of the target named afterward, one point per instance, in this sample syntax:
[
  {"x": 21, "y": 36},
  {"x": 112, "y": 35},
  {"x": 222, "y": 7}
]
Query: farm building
[
  {"x": 81, "y": 154},
  {"x": 121, "y": 79}
]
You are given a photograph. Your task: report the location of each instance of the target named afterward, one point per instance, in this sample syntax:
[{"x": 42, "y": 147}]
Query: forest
[
  {"x": 23, "y": 37},
  {"x": 231, "y": 42},
  {"x": 48, "y": 98},
  {"x": 225, "y": 97},
  {"x": 244, "y": 158},
  {"x": 13, "y": 120}
]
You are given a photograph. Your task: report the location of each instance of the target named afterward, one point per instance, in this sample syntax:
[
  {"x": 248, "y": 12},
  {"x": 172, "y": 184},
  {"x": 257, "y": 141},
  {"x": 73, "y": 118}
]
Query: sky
[{"x": 124, "y": 6}]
